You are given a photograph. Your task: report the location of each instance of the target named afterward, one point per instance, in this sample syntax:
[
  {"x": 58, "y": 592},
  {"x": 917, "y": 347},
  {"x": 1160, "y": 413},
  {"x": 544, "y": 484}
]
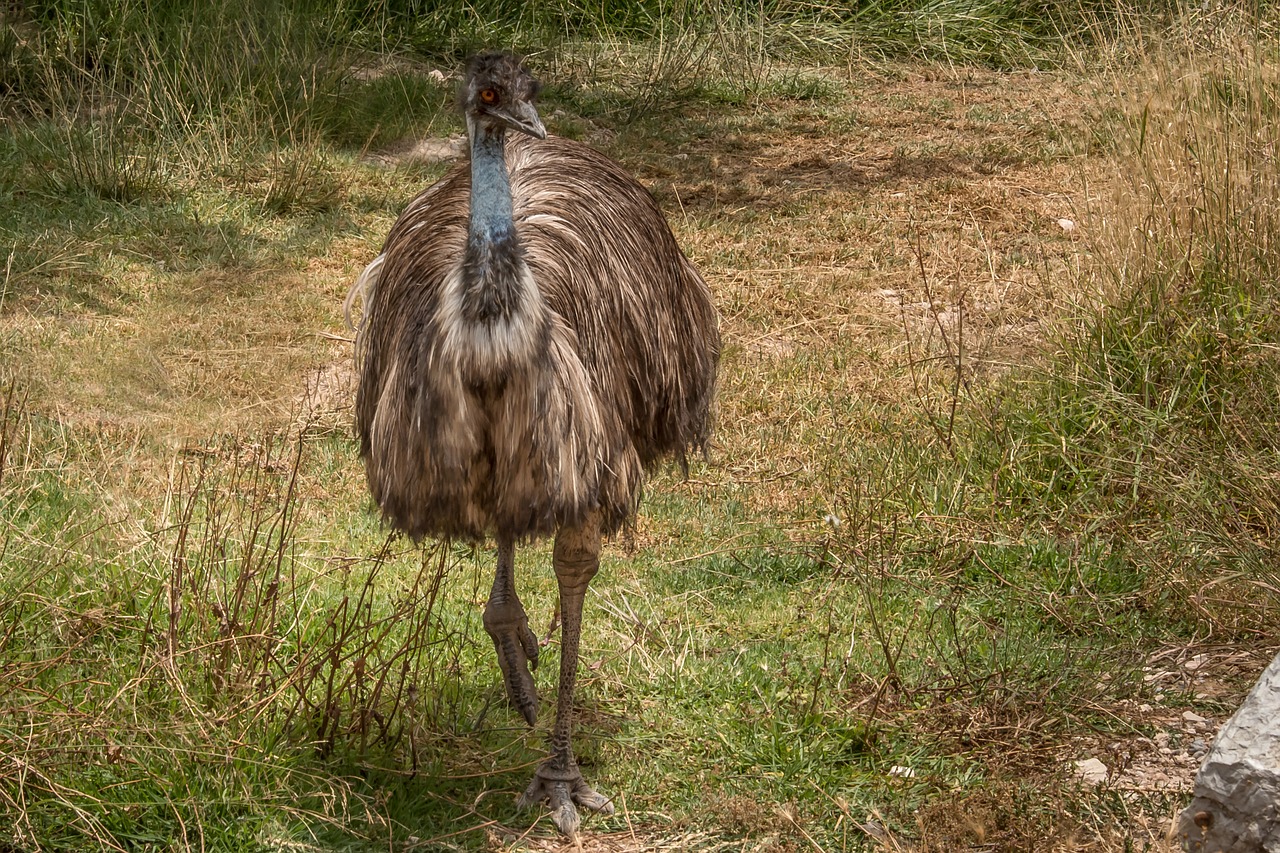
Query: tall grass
[
  {"x": 141, "y": 99},
  {"x": 271, "y": 68},
  {"x": 1001, "y": 32},
  {"x": 173, "y": 64},
  {"x": 1159, "y": 423},
  {"x": 128, "y": 101}
]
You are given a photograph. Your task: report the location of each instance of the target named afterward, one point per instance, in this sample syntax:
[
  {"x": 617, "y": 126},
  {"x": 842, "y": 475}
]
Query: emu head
[{"x": 499, "y": 92}]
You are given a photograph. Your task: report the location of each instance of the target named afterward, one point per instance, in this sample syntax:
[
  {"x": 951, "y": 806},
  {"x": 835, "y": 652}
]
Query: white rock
[
  {"x": 1236, "y": 805},
  {"x": 438, "y": 150},
  {"x": 1091, "y": 771},
  {"x": 1067, "y": 225},
  {"x": 1193, "y": 717}
]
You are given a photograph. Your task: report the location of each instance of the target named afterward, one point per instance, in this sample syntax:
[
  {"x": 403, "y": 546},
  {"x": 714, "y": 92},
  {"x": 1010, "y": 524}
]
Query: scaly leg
[
  {"x": 507, "y": 624},
  {"x": 558, "y": 781}
]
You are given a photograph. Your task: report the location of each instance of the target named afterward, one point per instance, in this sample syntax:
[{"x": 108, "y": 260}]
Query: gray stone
[
  {"x": 1236, "y": 804},
  {"x": 1091, "y": 771}
]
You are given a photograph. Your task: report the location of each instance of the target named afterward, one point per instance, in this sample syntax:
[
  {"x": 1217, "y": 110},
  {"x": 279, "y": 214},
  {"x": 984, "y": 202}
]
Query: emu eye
[{"x": 489, "y": 96}]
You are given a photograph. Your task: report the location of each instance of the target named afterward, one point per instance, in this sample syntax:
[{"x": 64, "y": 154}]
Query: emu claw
[
  {"x": 517, "y": 649},
  {"x": 561, "y": 790}
]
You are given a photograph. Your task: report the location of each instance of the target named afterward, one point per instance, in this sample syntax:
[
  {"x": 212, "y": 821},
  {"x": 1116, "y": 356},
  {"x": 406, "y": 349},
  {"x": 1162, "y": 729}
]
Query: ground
[{"x": 876, "y": 237}]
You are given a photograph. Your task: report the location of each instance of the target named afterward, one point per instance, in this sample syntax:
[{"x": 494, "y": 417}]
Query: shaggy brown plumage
[
  {"x": 467, "y": 438},
  {"x": 533, "y": 342}
]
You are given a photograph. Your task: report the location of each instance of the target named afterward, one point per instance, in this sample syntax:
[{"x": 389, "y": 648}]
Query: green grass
[{"x": 776, "y": 672}]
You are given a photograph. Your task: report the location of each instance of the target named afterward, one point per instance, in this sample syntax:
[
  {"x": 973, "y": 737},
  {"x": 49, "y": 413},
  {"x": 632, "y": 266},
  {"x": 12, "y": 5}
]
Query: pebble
[{"x": 1091, "y": 771}]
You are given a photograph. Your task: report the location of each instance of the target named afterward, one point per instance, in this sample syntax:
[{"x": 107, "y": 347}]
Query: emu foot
[
  {"x": 517, "y": 649},
  {"x": 563, "y": 791}
]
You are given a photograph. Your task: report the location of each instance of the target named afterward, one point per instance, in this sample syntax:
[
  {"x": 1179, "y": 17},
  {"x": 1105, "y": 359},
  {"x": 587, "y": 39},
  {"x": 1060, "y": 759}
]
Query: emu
[{"x": 533, "y": 343}]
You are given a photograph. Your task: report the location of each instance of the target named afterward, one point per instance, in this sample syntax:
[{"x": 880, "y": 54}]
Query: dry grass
[
  {"x": 812, "y": 220},
  {"x": 850, "y": 243}
]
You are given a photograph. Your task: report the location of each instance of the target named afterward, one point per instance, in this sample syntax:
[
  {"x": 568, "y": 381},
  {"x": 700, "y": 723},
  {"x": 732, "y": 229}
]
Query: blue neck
[
  {"x": 491, "y": 217},
  {"x": 493, "y": 260}
]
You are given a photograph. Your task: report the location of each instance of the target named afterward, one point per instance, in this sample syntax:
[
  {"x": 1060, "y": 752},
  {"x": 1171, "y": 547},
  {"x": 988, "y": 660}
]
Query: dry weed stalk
[{"x": 240, "y": 612}]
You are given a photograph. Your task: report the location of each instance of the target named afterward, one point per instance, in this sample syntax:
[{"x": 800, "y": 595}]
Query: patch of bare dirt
[
  {"x": 420, "y": 151},
  {"x": 327, "y": 391},
  {"x": 924, "y": 202},
  {"x": 628, "y": 841}
]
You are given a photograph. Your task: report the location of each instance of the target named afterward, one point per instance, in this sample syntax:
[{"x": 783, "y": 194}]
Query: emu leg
[
  {"x": 558, "y": 782},
  {"x": 507, "y": 624}
]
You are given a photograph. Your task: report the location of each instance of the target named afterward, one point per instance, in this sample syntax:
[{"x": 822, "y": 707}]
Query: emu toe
[
  {"x": 563, "y": 792},
  {"x": 517, "y": 649}
]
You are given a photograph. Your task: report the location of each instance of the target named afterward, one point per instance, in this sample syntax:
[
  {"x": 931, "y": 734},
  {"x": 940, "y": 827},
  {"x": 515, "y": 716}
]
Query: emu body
[{"x": 533, "y": 342}]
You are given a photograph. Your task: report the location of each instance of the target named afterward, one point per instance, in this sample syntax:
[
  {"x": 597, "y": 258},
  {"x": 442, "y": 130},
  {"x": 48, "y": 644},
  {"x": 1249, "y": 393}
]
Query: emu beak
[{"x": 522, "y": 116}]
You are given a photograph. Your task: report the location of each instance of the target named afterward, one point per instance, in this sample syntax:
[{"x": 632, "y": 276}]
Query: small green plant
[{"x": 299, "y": 180}]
